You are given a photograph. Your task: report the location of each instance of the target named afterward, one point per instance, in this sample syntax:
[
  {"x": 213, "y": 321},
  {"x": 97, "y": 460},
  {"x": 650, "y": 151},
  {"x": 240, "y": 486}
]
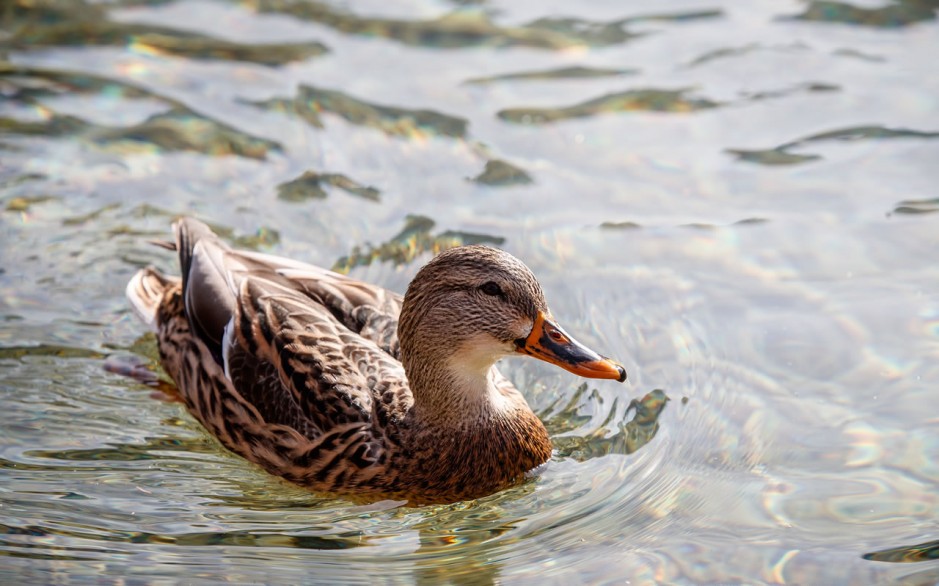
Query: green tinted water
[{"x": 737, "y": 201}]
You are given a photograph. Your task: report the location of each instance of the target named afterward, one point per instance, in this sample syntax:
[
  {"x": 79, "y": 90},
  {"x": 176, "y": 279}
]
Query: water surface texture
[{"x": 736, "y": 199}]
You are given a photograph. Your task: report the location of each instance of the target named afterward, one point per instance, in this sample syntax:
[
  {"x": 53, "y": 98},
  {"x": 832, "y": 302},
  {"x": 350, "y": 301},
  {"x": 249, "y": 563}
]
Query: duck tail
[
  {"x": 189, "y": 232},
  {"x": 145, "y": 292}
]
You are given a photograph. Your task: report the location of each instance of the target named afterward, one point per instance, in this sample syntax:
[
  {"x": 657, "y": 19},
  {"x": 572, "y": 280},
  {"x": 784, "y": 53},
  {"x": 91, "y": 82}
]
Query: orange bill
[{"x": 548, "y": 342}]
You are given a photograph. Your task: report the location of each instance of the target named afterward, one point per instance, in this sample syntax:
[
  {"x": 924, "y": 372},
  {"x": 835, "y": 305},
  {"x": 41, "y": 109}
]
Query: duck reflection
[{"x": 629, "y": 437}]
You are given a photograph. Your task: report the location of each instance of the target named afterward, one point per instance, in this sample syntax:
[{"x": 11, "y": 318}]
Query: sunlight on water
[{"x": 735, "y": 201}]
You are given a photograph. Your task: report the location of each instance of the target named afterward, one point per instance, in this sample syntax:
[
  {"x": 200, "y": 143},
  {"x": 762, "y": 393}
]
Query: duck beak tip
[{"x": 622, "y": 373}]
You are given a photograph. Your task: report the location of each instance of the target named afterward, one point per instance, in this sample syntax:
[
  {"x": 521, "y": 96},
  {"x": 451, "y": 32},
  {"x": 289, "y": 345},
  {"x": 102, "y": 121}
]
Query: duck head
[{"x": 471, "y": 306}]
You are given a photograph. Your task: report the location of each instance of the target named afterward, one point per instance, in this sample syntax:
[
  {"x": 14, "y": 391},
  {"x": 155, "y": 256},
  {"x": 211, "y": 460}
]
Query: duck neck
[
  {"x": 471, "y": 431},
  {"x": 457, "y": 390}
]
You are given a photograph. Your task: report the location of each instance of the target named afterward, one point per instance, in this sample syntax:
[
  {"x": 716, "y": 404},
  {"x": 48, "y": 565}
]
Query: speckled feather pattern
[{"x": 315, "y": 390}]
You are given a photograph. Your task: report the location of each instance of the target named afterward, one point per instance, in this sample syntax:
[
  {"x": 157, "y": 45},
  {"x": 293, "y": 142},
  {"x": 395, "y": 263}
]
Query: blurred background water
[{"x": 737, "y": 200}]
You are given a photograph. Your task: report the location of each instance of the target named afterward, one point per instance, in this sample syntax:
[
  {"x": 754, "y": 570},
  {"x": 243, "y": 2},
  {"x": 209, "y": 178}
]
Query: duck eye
[{"x": 491, "y": 288}]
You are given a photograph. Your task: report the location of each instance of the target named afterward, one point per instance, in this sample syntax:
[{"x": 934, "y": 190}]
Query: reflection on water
[
  {"x": 780, "y": 155},
  {"x": 577, "y": 72},
  {"x": 310, "y": 185},
  {"x": 912, "y": 553},
  {"x": 629, "y": 437},
  {"x": 48, "y": 350},
  {"x": 310, "y": 102},
  {"x": 178, "y": 128},
  {"x": 788, "y": 308},
  {"x": 627, "y": 225},
  {"x": 897, "y": 13},
  {"x": 468, "y": 29},
  {"x": 48, "y": 23},
  {"x": 412, "y": 241},
  {"x": 680, "y": 101},
  {"x": 917, "y": 206},
  {"x": 502, "y": 173},
  {"x": 732, "y": 52},
  {"x": 629, "y": 101}
]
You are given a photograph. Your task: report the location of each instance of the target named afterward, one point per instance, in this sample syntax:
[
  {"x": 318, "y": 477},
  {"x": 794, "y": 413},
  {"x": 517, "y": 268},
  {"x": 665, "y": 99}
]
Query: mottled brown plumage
[{"x": 346, "y": 387}]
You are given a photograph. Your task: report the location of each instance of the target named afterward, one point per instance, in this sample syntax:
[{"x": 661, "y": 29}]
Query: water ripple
[
  {"x": 177, "y": 128},
  {"x": 310, "y": 102},
  {"x": 897, "y": 13},
  {"x": 473, "y": 29},
  {"x": 649, "y": 100},
  {"x": 920, "y": 552},
  {"x": 576, "y": 72},
  {"x": 45, "y": 24},
  {"x": 781, "y": 154},
  {"x": 412, "y": 241}
]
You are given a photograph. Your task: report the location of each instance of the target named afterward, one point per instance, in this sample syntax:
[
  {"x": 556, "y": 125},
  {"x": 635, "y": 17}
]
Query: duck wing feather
[{"x": 308, "y": 348}]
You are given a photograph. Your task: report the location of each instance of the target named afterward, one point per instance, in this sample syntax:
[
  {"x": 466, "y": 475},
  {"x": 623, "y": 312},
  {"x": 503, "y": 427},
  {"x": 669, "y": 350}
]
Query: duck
[{"x": 347, "y": 388}]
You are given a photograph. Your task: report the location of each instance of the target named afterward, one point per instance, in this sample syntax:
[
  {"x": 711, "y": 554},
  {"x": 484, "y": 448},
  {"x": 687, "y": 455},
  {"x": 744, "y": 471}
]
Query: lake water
[{"x": 737, "y": 200}]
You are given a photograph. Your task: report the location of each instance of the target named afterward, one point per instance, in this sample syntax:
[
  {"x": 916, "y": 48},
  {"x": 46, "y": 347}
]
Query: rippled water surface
[{"x": 736, "y": 199}]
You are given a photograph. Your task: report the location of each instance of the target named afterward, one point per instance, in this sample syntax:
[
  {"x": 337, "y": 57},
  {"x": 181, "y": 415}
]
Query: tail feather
[
  {"x": 208, "y": 291},
  {"x": 189, "y": 232},
  {"x": 164, "y": 244},
  {"x": 145, "y": 292}
]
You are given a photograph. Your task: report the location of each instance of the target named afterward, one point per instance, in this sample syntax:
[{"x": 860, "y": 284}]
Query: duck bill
[{"x": 548, "y": 342}]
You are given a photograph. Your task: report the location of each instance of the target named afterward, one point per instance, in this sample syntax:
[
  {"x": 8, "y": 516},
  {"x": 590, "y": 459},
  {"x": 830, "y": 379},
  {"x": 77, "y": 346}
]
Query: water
[{"x": 737, "y": 200}]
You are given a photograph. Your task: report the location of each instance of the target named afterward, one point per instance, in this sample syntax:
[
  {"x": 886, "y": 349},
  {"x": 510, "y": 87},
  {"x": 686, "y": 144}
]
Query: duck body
[{"x": 345, "y": 387}]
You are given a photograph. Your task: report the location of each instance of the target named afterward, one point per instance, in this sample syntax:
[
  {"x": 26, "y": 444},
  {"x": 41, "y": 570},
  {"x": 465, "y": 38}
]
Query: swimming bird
[{"x": 348, "y": 388}]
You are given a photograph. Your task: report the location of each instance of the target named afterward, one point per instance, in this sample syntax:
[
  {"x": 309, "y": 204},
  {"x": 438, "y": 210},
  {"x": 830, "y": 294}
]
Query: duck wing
[
  {"x": 307, "y": 347},
  {"x": 365, "y": 309}
]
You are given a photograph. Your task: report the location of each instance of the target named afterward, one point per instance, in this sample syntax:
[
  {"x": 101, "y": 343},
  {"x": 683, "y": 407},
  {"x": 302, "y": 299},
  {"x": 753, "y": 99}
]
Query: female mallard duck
[{"x": 345, "y": 387}]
